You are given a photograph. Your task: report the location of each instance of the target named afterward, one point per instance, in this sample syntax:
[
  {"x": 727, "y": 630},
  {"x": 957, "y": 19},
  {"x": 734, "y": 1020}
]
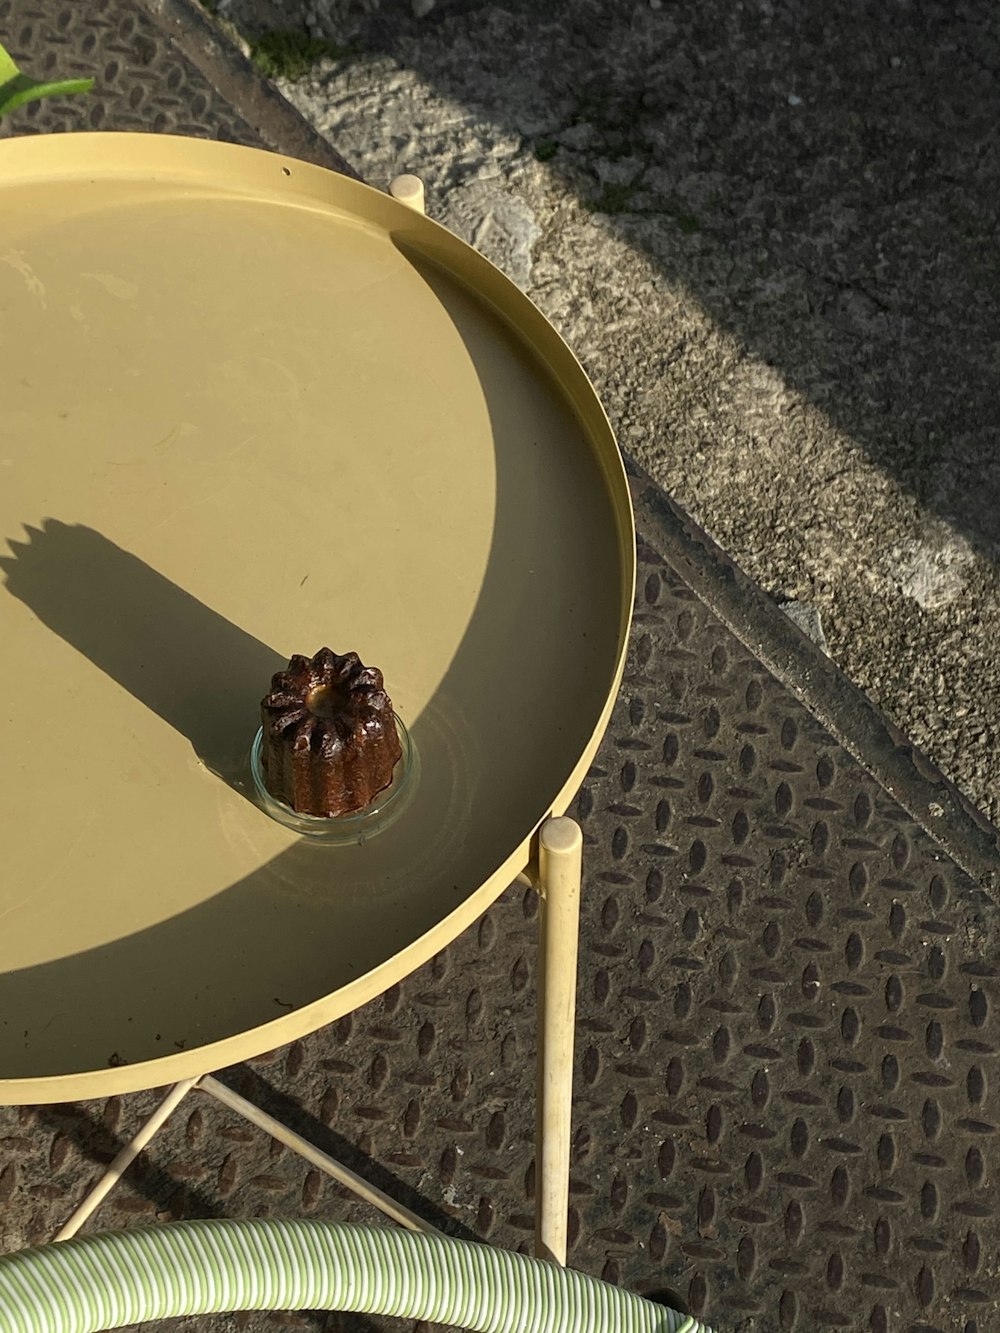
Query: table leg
[
  {"x": 408, "y": 190},
  {"x": 560, "y": 859},
  {"x": 124, "y": 1158},
  {"x": 348, "y": 1178}
]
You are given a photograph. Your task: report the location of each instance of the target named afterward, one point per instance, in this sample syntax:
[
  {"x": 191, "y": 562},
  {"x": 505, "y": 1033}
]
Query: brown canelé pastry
[{"x": 329, "y": 741}]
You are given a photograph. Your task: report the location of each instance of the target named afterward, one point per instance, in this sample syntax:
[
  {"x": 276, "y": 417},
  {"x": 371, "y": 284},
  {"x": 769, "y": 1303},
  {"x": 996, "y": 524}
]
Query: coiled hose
[{"x": 113, "y": 1279}]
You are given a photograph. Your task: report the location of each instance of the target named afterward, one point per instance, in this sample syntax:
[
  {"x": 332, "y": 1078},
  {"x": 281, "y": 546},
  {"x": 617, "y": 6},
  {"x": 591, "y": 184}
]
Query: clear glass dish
[{"x": 354, "y": 828}]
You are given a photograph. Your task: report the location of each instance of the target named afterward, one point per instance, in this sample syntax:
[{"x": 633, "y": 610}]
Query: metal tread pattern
[
  {"x": 162, "y": 66},
  {"x": 143, "y": 82},
  {"x": 786, "y": 1052}
]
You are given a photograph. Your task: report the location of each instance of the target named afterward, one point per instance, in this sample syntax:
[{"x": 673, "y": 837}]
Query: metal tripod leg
[
  {"x": 560, "y": 858},
  {"x": 357, "y": 1184},
  {"x": 257, "y": 1116},
  {"x": 124, "y": 1159}
]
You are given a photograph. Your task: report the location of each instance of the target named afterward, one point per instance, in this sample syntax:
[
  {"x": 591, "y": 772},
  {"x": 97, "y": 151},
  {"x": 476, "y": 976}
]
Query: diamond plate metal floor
[{"x": 786, "y": 1062}]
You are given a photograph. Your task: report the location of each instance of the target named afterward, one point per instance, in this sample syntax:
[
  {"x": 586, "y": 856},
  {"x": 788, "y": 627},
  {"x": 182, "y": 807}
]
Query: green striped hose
[{"x": 116, "y": 1278}]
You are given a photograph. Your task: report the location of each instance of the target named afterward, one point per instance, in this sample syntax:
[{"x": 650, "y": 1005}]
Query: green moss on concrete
[{"x": 290, "y": 53}]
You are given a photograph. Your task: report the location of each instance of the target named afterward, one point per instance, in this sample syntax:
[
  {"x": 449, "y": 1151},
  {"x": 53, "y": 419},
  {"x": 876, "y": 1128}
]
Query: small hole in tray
[{"x": 285, "y": 171}]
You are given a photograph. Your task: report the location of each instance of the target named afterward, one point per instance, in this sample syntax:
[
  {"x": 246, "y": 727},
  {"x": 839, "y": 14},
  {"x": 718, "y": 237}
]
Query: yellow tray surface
[{"x": 251, "y": 408}]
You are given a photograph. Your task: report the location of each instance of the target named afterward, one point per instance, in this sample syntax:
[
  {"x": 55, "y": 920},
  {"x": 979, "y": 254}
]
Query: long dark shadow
[{"x": 194, "y": 668}]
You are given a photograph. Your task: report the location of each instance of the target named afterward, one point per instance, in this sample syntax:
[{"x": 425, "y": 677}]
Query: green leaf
[
  {"x": 8, "y": 70},
  {"x": 16, "y": 88}
]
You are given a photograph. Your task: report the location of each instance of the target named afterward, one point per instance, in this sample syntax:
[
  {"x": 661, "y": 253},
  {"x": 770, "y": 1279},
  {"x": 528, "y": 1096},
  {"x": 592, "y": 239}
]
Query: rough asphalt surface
[{"x": 769, "y": 230}]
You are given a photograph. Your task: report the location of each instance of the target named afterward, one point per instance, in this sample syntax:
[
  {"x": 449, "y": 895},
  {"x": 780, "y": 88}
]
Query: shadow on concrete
[{"x": 824, "y": 182}]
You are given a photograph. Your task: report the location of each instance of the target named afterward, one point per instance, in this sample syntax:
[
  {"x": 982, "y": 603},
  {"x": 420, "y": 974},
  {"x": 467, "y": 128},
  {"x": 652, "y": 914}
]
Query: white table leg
[
  {"x": 560, "y": 861},
  {"x": 408, "y": 190},
  {"x": 125, "y": 1157},
  {"x": 350, "y": 1179}
]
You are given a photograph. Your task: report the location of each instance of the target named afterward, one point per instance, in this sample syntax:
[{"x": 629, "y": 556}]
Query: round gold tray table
[{"x": 251, "y": 408}]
